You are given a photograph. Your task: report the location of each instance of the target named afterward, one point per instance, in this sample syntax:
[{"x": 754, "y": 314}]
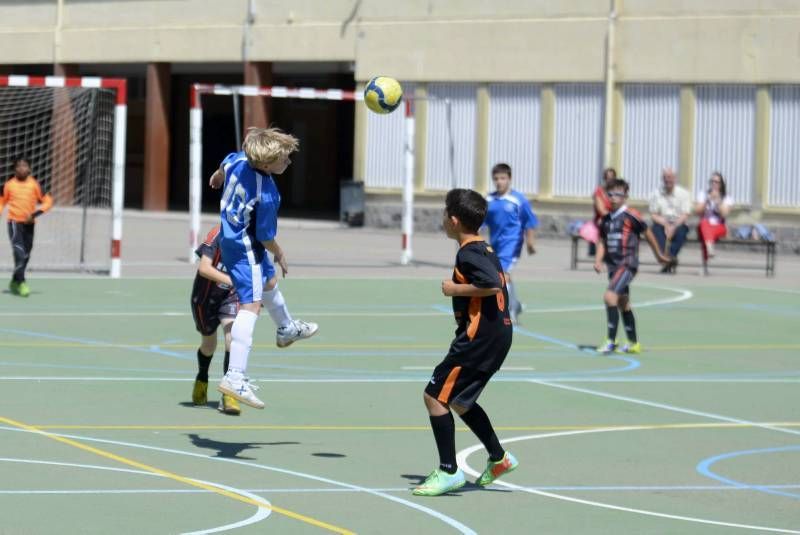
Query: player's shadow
[
  {"x": 231, "y": 450},
  {"x": 416, "y": 479}
]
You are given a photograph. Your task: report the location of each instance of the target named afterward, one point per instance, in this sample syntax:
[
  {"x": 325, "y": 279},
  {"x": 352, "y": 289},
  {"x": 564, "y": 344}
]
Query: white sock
[
  {"x": 276, "y": 306},
  {"x": 241, "y": 340},
  {"x": 513, "y": 304}
]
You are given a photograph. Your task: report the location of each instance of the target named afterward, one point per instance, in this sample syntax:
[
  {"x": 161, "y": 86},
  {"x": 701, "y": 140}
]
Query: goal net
[{"x": 65, "y": 128}]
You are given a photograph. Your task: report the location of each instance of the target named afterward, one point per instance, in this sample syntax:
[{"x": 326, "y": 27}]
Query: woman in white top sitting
[{"x": 712, "y": 207}]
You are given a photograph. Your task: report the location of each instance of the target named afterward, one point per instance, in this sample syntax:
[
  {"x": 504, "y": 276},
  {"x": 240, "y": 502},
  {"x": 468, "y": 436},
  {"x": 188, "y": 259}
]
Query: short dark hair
[
  {"x": 21, "y": 159},
  {"x": 501, "y": 168},
  {"x": 619, "y": 183},
  {"x": 468, "y": 206}
]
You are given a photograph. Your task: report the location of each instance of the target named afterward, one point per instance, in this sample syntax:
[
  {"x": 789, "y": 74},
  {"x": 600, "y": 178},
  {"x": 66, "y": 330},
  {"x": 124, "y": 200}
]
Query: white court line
[
  {"x": 432, "y": 512},
  {"x": 462, "y": 456},
  {"x": 260, "y": 514},
  {"x": 667, "y": 407},
  {"x": 683, "y": 295}
]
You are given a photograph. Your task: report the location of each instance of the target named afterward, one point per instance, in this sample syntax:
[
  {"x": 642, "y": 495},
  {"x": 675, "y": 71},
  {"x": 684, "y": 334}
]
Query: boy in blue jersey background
[
  {"x": 511, "y": 222},
  {"x": 249, "y": 213}
]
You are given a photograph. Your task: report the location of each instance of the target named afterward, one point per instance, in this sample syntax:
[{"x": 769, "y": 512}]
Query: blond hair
[{"x": 263, "y": 146}]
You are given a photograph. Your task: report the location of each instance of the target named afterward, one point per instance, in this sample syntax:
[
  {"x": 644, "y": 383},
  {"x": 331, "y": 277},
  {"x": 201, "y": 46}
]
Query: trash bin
[{"x": 351, "y": 203}]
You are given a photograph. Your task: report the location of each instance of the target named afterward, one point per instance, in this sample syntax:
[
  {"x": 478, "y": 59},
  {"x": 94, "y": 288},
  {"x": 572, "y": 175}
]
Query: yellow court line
[
  {"x": 705, "y": 425},
  {"x": 176, "y": 477}
]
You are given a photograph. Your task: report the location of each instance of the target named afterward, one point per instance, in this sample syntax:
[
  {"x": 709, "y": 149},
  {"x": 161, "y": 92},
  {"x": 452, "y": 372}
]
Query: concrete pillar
[
  {"x": 64, "y": 141},
  {"x": 481, "y": 182},
  {"x": 360, "y": 138},
  {"x": 763, "y": 140},
  {"x": 420, "y": 136},
  {"x": 257, "y": 110},
  {"x": 547, "y": 139},
  {"x": 157, "y": 137},
  {"x": 67, "y": 70},
  {"x": 686, "y": 149}
]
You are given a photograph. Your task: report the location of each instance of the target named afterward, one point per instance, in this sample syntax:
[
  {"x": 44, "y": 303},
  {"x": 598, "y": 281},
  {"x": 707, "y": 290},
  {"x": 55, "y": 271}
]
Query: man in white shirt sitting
[{"x": 670, "y": 206}]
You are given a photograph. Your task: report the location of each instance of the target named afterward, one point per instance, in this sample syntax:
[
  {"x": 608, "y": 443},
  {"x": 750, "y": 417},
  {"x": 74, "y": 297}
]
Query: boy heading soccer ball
[{"x": 249, "y": 213}]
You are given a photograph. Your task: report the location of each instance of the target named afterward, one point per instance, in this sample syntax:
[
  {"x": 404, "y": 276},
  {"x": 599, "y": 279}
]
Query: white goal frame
[
  {"x": 119, "y": 86},
  {"x": 196, "y": 148}
]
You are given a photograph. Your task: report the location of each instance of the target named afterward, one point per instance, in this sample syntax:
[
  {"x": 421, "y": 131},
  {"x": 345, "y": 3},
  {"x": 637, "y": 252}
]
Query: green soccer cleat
[
  {"x": 440, "y": 482},
  {"x": 200, "y": 392},
  {"x": 631, "y": 349},
  {"x": 607, "y": 348},
  {"x": 23, "y": 289},
  {"x": 494, "y": 470}
]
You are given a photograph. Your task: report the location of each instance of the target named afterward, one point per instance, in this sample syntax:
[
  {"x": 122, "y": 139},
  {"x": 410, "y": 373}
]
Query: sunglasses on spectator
[{"x": 616, "y": 194}]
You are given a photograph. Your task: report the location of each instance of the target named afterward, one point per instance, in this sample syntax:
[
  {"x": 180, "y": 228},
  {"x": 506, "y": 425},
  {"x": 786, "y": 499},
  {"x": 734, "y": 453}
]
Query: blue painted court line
[
  {"x": 90, "y": 342},
  {"x": 704, "y": 467},
  {"x": 632, "y": 362}
]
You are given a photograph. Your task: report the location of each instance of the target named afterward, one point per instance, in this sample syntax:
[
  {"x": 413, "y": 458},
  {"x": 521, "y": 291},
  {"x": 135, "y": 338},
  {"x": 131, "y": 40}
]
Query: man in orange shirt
[{"x": 22, "y": 194}]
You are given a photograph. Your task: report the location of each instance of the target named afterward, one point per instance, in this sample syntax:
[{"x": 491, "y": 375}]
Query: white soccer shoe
[
  {"x": 297, "y": 330},
  {"x": 239, "y": 387}
]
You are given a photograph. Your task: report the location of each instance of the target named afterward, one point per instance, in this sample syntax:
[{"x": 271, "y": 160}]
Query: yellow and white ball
[{"x": 383, "y": 94}]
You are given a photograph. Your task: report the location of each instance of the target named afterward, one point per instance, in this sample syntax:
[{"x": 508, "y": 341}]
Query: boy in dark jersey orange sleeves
[
  {"x": 214, "y": 303},
  {"x": 482, "y": 341},
  {"x": 22, "y": 193},
  {"x": 618, "y": 246}
]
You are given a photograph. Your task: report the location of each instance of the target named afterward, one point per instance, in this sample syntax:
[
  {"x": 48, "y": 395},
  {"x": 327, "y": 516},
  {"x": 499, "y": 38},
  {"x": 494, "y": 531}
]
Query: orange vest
[{"x": 22, "y": 197}]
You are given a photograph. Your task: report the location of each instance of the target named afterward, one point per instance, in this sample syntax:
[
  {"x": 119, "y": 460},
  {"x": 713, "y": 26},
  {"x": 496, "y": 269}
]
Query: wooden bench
[{"x": 769, "y": 246}]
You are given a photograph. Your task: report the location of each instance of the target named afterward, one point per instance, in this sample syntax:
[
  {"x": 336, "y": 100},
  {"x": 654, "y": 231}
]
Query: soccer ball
[{"x": 383, "y": 94}]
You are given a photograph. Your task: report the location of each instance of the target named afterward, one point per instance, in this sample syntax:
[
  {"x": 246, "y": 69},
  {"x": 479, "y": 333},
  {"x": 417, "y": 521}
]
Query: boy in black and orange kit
[
  {"x": 483, "y": 338},
  {"x": 22, "y": 193}
]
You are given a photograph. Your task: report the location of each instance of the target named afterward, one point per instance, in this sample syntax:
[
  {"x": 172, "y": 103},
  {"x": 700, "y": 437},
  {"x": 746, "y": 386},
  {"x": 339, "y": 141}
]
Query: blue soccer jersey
[
  {"x": 249, "y": 213},
  {"x": 508, "y": 217}
]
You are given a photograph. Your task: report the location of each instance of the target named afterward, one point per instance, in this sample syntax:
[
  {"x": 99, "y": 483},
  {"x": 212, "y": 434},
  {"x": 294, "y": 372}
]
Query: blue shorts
[
  {"x": 249, "y": 279},
  {"x": 508, "y": 256}
]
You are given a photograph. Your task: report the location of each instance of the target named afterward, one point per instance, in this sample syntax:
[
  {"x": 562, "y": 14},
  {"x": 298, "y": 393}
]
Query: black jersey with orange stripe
[
  {"x": 205, "y": 289},
  {"x": 620, "y": 232},
  {"x": 483, "y": 332}
]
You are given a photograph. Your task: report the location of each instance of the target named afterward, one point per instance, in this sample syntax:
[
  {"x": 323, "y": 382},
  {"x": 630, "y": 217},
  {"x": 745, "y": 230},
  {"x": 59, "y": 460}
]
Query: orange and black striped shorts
[{"x": 457, "y": 385}]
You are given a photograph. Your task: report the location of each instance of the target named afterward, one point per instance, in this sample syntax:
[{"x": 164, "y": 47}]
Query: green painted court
[{"x": 699, "y": 434}]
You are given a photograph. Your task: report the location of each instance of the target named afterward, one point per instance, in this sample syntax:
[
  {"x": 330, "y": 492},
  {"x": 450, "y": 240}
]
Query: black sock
[
  {"x": 444, "y": 432},
  {"x": 478, "y": 421},
  {"x": 630, "y": 325},
  {"x": 613, "y": 322},
  {"x": 203, "y": 362},
  {"x": 226, "y": 362}
]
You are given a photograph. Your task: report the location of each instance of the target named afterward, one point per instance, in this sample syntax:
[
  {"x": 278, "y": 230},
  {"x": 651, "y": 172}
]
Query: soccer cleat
[
  {"x": 631, "y": 349},
  {"x": 13, "y": 287},
  {"x": 494, "y": 470},
  {"x": 200, "y": 392},
  {"x": 296, "y": 330},
  {"x": 24, "y": 289},
  {"x": 238, "y": 386},
  {"x": 607, "y": 347},
  {"x": 229, "y": 405},
  {"x": 440, "y": 482}
]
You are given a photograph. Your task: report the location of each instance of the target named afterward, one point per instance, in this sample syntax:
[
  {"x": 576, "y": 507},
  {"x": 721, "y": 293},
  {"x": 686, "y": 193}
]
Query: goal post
[
  {"x": 72, "y": 130},
  {"x": 198, "y": 91}
]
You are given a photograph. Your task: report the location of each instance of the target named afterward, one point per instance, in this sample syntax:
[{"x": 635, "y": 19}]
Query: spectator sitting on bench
[
  {"x": 670, "y": 206},
  {"x": 712, "y": 206}
]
